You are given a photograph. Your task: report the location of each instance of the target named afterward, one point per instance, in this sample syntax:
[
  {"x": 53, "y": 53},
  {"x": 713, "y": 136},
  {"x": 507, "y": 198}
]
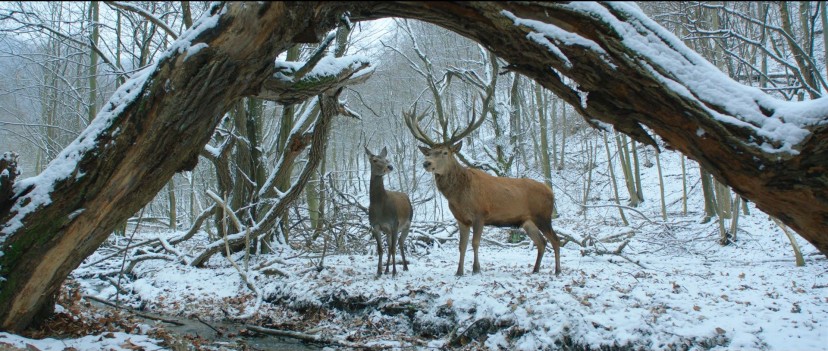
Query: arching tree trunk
[{"x": 622, "y": 69}]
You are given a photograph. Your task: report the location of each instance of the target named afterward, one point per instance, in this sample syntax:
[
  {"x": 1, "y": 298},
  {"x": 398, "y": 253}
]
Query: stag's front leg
[
  {"x": 464, "y": 244},
  {"x": 478, "y": 232},
  {"x": 378, "y": 237}
]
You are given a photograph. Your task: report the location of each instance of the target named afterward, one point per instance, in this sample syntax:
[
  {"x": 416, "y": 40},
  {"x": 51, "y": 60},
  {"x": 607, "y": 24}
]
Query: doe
[{"x": 390, "y": 212}]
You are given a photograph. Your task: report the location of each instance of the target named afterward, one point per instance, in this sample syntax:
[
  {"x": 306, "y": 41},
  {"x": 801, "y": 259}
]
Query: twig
[
  {"x": 123, "y": 261},
  {"x": 208, "y": 325},
  {"x": 624, "y": 207},
  {"x": 242, "y": 274}
]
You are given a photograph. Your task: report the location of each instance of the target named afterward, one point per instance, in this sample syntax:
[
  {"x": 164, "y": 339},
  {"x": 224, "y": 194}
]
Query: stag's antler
[
  {"x": 412, "y": 121},
  {"x": 472, "y": 125}
]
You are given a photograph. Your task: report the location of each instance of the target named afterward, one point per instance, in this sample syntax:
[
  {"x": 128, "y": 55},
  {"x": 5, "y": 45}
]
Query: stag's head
[
  {"x": 379, "y": 164},
  {"x": 439, "y": 157}
]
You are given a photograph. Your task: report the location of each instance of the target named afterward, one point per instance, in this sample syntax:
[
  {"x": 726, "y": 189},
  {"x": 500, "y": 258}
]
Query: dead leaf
[
  {"x": 720, "y": 331},
  {"x": 796, "y": 308},
  {"x": 696, "y": 308},
  {"x": 130, "y": 346}
]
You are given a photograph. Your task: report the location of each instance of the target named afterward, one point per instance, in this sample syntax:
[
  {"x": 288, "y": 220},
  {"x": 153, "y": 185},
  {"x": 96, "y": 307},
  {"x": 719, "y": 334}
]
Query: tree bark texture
[{"x": 164, "y": 128}]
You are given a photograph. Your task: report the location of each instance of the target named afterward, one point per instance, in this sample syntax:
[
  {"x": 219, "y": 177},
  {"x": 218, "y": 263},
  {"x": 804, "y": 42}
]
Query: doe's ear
[
  {"x": 368, "y": 152},
  {"x": 424, "y": 150},
  {"x": 384, "y": 152},
  {"x": 456, "y": 148}
]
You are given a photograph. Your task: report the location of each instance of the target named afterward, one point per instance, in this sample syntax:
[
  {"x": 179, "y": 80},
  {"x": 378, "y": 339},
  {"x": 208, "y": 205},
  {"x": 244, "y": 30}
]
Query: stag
[
  {"x": 477, "y": 199},
  {"x": 390, "y": 212}
]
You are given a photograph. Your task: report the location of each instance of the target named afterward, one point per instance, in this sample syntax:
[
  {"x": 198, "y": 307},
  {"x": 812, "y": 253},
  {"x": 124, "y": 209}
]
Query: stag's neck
[
  {"x": 377, "y": 192},
  {"x": 453, "y": 182}
]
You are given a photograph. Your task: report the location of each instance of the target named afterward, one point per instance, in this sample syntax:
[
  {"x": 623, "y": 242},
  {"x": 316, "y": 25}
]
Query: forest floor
[{"x": 672, "y": 287}]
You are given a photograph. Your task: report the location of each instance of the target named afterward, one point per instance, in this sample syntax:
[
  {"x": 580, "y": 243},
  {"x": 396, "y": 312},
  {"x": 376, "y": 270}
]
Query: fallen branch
[
  {"x": 314, "y": 338},
  {"x": 156, "y": 241},
  {"x": 130, "y": 310},
  {"x": 151, "y": 256},
  {"x": 800, "y": 261},
  {"x": 616, "y": 252}
]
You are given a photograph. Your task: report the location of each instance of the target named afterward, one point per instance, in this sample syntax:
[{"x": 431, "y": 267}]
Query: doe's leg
[
  {"x": 378, "y": 237},
  {"x": 403, "y": 236},
  {"x": 392, "y": 252}
]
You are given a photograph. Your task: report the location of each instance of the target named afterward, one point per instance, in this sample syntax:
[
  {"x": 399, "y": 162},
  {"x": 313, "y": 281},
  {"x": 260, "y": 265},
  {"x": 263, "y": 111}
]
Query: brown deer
[
  {"x": 477, "y": 199},
  {"x": 390, "y": 212}
]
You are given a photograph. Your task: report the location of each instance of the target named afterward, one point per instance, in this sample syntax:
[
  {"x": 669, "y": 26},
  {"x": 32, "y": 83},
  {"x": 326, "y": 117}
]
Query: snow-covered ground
[
  {"x": 108, "y": 341},
  {"x": 673, "y": 287},
  {"x": 678, "y": 290}
]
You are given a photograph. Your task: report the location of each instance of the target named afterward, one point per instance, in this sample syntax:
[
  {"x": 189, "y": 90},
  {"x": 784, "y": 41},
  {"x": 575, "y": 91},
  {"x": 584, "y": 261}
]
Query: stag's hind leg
[
  {"x": 550, "y": 235},
  {"x": 537, "y": 238}
]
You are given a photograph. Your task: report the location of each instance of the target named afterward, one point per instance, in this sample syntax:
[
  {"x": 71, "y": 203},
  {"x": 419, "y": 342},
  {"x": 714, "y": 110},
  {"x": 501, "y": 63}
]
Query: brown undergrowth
[{"x": 79, "y": 318}]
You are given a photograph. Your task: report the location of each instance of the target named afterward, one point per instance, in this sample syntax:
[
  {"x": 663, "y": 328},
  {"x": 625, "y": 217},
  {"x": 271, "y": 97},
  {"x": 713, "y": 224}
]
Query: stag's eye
[{"x": 445, "y": 153}]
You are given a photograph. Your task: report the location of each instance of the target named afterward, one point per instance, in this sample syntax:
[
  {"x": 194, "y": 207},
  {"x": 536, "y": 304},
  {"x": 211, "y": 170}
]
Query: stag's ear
[
  {"x": 456, "y": 148},
  {"x": 424, "y": 150},
  {"x": 368, "y": 151},
  {"x": 384, "y": 152}
]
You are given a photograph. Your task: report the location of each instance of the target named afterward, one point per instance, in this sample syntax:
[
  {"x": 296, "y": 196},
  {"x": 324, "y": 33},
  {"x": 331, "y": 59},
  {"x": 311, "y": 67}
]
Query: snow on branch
[
  {"x": 782, "y": 124},
  {"x": 550, "y": 36},
  {"x": 294, "y": 82}
]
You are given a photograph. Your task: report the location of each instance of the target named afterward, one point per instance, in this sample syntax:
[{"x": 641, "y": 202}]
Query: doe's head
[
  {"x": 439, "y": 158},
  {"x": 379, "y": 163}
]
